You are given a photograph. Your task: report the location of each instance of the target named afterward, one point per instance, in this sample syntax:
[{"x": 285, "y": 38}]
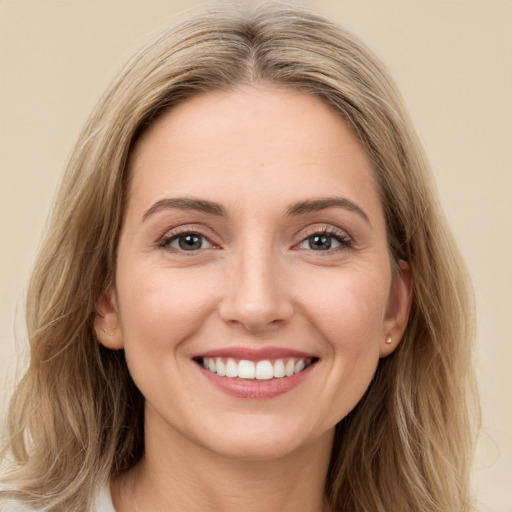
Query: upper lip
[{"x": 256, "y": 354}]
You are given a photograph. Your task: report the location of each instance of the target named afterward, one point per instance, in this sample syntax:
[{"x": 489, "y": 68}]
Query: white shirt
[
  {"x": 103, "y": 503},
  {"x": 104, "y": 500}
]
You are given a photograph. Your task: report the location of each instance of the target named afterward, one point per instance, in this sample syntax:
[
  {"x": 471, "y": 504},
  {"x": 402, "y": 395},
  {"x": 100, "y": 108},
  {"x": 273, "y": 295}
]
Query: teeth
[
  {"x": 264, "y": 370},
  {"x": 299, "y": 366},
  {"x": 246, "y": 369},
  {"x": 279, "y": 370},
  {"x": 289, "y": 368},
  {"x": 221, "y": 368},
  {"x": 231, "y": 368},
  {"x": 250, "y": 370}
]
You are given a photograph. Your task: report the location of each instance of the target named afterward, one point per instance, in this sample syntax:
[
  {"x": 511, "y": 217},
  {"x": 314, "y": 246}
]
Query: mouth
[
  {"x": 255, "y": 373},
  {"x": 263, "y": 370}
]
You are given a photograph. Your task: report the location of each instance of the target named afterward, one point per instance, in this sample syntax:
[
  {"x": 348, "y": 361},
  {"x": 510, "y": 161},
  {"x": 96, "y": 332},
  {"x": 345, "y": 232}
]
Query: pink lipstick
[{"x": 255, "y": 373}]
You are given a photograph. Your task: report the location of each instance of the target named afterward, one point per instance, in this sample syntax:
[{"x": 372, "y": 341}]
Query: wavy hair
[{"x": 76, "y": 417}]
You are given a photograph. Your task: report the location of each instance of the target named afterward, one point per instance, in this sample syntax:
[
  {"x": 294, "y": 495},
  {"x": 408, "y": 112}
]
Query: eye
[
  {"x": 319, "y": 242},
  {"x": 325, "y": 240},
  {"x": 187, "y": 241}
]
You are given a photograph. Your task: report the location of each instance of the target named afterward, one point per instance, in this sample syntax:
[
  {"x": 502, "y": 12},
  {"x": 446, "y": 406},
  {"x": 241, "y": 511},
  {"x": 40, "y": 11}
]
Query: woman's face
[{"x": 253, "y": 244}]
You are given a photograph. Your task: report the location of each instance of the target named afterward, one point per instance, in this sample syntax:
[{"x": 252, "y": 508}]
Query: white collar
[{"x": 104, "y": 500}]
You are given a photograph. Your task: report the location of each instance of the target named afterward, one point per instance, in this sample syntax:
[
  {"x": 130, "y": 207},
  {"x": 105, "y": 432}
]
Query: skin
[{"x": 255, "y": 281}]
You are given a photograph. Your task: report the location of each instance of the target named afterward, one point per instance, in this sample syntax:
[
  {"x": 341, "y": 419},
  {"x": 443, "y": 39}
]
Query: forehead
[{"x": 262, "y": 141}]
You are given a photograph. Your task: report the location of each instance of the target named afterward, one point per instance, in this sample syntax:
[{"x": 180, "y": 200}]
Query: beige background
[{"x": 453, "y": 62}]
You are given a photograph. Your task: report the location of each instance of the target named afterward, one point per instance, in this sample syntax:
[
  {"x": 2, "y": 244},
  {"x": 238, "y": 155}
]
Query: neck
[{"x": 176, "y": 474}]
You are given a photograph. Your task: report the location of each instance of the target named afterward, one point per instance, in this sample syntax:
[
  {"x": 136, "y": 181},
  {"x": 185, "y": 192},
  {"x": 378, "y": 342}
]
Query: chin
[
  {"x": 261, "y": 450},
  {"x": 266, "y": 442}
]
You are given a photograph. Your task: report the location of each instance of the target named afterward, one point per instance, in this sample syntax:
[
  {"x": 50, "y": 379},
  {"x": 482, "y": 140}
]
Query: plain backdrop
[{"x": 453, "y": 63}]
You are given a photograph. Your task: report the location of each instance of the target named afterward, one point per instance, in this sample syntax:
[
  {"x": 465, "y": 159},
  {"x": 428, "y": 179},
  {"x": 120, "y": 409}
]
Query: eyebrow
[
  {"x": 185, "y": 203},
  {"x": 296, "y": 209},
  {"x": 315, "y": 205}
]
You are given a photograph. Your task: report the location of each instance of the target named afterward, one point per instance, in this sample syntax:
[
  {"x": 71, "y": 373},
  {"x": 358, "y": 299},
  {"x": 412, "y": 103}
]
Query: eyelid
[
  {"x": 341, "y": 235},
  {"x": 170, "y": 234}
]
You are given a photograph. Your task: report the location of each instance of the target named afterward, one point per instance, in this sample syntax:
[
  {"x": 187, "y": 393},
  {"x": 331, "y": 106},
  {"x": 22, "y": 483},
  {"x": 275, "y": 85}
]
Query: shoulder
[
  {"x": 104, "y": 500},
  {"x": 14, "y": 506},
  {"x": 103, "y": 503}
]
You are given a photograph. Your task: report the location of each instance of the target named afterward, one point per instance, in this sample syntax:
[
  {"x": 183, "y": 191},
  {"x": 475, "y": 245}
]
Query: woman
[{"x": 248, "y": 297}]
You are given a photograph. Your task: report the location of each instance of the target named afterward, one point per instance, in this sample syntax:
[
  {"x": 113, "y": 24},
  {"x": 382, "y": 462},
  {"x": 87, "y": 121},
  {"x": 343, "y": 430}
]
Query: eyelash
[
  {"x": 337, "y": 234},
  {"x": 166, "y": 240},
  {"x": 340, "y": 236}
]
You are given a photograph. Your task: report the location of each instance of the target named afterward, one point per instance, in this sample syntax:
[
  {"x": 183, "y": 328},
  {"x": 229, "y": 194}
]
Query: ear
[
  {"x": 106, "y": 321},
  {"x": 399, "y": 308}
]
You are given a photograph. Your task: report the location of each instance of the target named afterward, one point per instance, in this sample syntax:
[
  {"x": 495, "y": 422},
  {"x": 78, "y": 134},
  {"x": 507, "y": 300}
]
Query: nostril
[
  {"x": 255, "y": 295},
  {"x": 256, "y": 318}
]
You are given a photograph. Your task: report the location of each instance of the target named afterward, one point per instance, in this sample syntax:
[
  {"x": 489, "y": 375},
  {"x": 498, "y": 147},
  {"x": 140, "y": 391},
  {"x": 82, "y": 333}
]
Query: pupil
[
  {"x": 190, "y": 242},
  {"x": 320, "y": 242}
]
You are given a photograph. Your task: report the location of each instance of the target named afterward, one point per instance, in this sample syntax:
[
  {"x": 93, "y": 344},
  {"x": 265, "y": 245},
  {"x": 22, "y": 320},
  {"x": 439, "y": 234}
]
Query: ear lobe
[
  {"x": 106, "y": 322},
  {"x": 399, "y": 308}
]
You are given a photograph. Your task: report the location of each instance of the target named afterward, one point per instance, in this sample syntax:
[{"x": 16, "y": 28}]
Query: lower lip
[{"x": 254, "y": 388}]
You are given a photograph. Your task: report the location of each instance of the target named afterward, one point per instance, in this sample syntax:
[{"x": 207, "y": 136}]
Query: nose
[{"x": 256, "y": 296}]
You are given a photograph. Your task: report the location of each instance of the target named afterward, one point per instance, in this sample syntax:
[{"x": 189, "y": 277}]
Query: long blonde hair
[{"x": 76, "y": 417}]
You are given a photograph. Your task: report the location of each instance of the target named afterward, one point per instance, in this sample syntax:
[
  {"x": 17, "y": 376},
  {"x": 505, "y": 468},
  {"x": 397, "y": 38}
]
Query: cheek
[
  {"x": 348, "y": 312},
  {"x": 348, "y": 307},
  {"x": 159, "y": 308}
]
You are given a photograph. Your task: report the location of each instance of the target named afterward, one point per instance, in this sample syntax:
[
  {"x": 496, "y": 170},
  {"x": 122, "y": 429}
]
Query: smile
[
  {"x": 255, "y": 370},
  {"x": 255, "y": 373}
]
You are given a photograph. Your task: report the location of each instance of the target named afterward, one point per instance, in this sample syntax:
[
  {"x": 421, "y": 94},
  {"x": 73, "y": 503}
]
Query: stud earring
[
  {"x": 106, "y": 331},
  {"x": 389, "y": 340}
]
